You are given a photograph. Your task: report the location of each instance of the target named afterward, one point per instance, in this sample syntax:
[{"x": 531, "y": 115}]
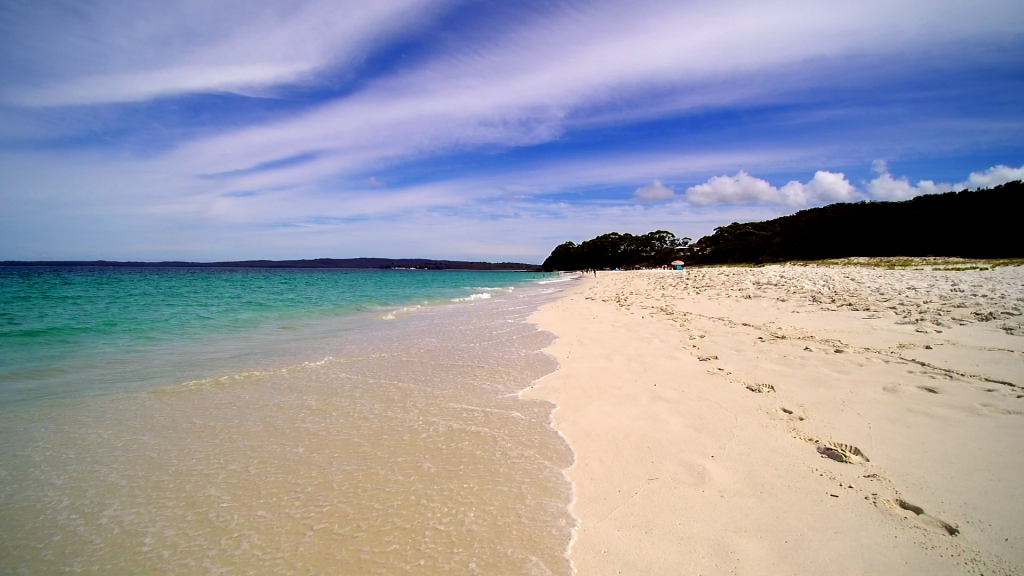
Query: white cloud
[
  {"x": 994, "y": 176},
  {"x": 136, "y": 212},
  {"x": 744, "y": 188},
  {"x": 733, "y": 189},
  {"x": 109, "y": 51},
  {"x": 824, "y": 187},
  {"x": 885, "y": 187},
  {"x": 655, "y": 192},
  {"x": 532, "y": 78},
  {"x": 536, "y": 75},
  {"x": 829, "y": 187}
]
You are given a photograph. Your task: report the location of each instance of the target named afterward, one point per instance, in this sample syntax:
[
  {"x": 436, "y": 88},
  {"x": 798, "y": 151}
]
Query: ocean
[{"x": 225, "y": 421}]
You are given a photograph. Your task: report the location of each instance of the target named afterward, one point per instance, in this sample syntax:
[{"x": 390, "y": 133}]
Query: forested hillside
[
  {"x": 614, "y": 250},
  {"x": 981, "y": 224}
]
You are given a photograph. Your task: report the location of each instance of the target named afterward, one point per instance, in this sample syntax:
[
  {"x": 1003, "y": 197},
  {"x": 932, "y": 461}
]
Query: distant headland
[
  {"x": 350, "y": 263},
  {"x": 979, "y": 224}
]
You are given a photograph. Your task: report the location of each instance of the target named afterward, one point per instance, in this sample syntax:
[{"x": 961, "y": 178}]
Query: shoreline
[
  {"x": 409, "y": 450},
  {"x": 68, "y": 330},
  {"x": 530, "y": 393},
  {"x": 722, "y": 420}
]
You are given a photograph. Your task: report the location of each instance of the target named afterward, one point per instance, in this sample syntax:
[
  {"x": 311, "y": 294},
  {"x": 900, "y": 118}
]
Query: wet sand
[
  {"x": 407, "y": 451},
  {"x": 793, "y": 420}
]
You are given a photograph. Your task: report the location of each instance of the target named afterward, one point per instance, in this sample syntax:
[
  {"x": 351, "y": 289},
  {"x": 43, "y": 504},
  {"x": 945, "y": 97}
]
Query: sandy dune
[{"x": 793, "y": 420}]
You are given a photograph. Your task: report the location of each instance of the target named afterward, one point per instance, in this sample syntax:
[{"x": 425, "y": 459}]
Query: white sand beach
[{"x": 793, "y": 420}]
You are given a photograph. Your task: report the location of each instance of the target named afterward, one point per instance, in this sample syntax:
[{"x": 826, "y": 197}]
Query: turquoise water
[
  {"x": 197, "y": 421},
  {"x": 83, "y": 331}
]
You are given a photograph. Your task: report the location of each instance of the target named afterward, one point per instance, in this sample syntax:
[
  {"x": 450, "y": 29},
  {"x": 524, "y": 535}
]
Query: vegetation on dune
[
  {"x": 979, "y": 224},
  {"x": 944, "y": 264},
  {"x": 614, "y": 250}
]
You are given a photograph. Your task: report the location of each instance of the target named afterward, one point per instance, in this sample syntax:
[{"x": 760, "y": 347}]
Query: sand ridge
[{"x": 793, "y": 419}]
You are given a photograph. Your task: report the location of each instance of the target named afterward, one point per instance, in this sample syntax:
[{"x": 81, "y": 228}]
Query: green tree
[{"x": 614, "y": 250}]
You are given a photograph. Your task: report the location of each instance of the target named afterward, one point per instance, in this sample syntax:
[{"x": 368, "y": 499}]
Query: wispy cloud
[
  {"x": 71, "y": 53},
  {"x": 531, "y": 78}
]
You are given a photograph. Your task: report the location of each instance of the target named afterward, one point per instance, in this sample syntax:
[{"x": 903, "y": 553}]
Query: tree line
[
  {"x": 979, "y": 224},
  {"x": 985, "y": 223},
  {"x": 614, "y": 250}
]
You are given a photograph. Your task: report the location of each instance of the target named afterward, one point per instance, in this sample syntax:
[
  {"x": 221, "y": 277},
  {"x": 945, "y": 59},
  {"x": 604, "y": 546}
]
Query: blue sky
[{"x": 185, "y": 129}]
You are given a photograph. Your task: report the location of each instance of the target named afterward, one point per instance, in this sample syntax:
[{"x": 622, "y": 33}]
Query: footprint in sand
[
  {"x": 993, "y": 410},
  {"x": 840, "y": 452},
  {"x": 926, "y": 519},
  {"x": 791, "y": 414},
  {"x": 901, "y": 388},
  {"x": 760, "y": 388}
]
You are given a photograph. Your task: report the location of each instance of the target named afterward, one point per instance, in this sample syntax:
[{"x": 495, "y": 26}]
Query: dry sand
[{"x": 793, "y": 420}]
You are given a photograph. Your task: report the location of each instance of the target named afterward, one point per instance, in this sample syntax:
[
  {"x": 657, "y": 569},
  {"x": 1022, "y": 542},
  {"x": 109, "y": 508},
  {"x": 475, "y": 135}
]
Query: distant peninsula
[{"x": 350, "y": 263}]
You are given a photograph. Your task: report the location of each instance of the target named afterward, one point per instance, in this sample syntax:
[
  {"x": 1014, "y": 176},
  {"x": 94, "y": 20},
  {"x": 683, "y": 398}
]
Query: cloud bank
[
  {"x": 744, "y": 188},
  {"x": 829, "y": 187},
  {"x": 885, "y": 187}
]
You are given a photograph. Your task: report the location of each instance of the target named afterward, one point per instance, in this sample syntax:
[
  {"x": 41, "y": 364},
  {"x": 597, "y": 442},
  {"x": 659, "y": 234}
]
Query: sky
[{"x": 197, "y": 130}]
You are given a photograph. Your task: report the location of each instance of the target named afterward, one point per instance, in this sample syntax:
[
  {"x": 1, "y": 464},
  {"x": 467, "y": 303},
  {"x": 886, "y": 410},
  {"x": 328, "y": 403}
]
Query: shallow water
[
  {"x": 404, "y": 448},
  {"x": 68, "y": 332}
]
